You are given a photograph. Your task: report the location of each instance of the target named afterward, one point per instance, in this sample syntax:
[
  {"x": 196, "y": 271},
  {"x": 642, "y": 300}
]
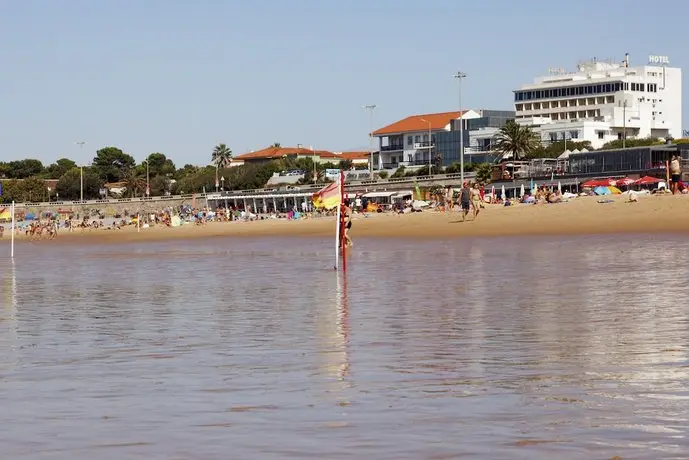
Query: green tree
[
  {"x": 21, "y": 169},
  {"x": 160, "y": 185},
  {"x": 187, "y": 170},
  {"x": 483, "y": 172},
  {"x": 59, "y": 168},
  {"x": 135, "y": 184},
  {"x": 112, "y": 164},
  {"x": 34, "y": 189},
  {"x": 69, "y": 185},
  {"x": 158, "y": 165},
  {"x": 642, "y": 142},
  {"x": 516, "y": 140},
  {"x": 221, "y": 156}
]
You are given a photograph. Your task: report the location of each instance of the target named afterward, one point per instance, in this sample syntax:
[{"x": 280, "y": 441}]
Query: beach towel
[{"x": 606, "y": 201}]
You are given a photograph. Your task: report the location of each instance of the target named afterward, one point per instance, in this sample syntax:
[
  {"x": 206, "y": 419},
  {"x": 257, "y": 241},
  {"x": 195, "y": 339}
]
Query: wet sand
[{"x": 581, "y": 216}]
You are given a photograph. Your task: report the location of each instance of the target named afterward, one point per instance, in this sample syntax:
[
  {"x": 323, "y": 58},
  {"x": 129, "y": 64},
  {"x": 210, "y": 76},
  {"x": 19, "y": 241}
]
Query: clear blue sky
[{"x": 178, "y": 77}]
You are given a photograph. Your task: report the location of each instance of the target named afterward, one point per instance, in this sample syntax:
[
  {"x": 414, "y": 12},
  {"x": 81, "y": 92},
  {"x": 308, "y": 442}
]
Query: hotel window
[
  {"x": 574, "y": 134},
  {"x": 410, "y": 140},
  {"x": 601, "y": 134},
  {"x": 417, "y": 139},
  {"x": 425, "y": 137}
]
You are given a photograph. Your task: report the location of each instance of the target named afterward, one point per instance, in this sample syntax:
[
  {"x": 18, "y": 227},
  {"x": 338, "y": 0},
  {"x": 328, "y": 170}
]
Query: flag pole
[
  {"x": 12, "y": 239},
  {"x": 342, "y": 228},
  {"x": 338, "y": 229}
]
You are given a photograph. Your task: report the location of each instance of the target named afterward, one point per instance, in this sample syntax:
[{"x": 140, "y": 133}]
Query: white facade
[{"x": 602, "y": 100}]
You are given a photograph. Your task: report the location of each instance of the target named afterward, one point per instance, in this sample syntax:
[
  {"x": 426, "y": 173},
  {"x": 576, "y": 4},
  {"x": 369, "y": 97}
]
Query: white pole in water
[
  {"x": 12, "y": 239},
  {"x": 337, "y": 232}
]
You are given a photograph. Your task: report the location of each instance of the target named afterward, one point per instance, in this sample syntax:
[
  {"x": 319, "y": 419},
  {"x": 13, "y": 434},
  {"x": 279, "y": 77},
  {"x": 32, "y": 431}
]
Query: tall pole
[
  {"x": 148, "y": 183},
  {"x": 624, "y": 123},
  {"x": 81, "y": 168},
  {"x": 12, "y": 235},
  {"x": 429, "y": 143},
  {"x": 217, "y": 184},
  {"x": 459, "y": 76},
  {"x": 371, "y": 108}
]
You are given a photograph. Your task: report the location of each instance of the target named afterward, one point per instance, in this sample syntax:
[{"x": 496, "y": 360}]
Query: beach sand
[{"x": 583, "y": 215}]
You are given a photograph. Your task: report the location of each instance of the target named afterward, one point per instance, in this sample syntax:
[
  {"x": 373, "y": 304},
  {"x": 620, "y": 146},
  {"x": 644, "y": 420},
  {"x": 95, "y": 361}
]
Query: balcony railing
[{"x": 390, "y": 148}]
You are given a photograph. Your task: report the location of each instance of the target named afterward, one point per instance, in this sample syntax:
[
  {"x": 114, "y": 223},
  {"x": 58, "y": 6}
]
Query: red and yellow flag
[{"x": 329, "y": 197}]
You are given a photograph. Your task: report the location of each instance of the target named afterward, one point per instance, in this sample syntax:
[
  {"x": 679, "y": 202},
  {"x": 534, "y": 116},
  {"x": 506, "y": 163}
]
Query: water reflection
[
  {"x": 8, "y": 319},
  {"x": 530, "y": 348}
]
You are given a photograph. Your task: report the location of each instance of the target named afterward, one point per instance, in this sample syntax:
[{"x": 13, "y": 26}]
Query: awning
[
  {"x": 379, "y": 194},
  {"x": 402, "y": 194}
]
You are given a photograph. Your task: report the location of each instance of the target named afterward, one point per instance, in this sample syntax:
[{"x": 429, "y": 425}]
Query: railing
[{"x": 390, "y": 148}]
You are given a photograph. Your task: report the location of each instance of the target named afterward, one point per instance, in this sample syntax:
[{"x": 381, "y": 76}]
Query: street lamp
[
  {"x": 429, "y": 145},
  {"x": 81, "y": 168},
  {"x": 371, "y": 109},
  {"x": 148, "y": 183},
  {"x": 459, "y": 76}
]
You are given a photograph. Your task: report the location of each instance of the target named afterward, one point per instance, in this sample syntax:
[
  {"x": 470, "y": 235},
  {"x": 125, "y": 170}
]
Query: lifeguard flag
[{"x": 329, "y": 197}]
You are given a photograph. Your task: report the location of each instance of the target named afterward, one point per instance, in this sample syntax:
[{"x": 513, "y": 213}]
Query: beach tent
[
  {"x": 29, "y": 216},
  {"x": 5, "y": 214},
  {"x": 615, "y": 190},
  {"x": 601, "y": 190},
  {"x": 647, "y": 180}
]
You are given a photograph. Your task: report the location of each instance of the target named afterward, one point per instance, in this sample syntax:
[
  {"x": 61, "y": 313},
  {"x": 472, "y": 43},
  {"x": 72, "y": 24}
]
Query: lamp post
[
  {"x": 148, "y": 183},
  {"x": 624, "y": 123},
  {"x": 81, "y": 168},
  {"x": 430, "y": 165},
  {"x": 222, "y": 180},
  {"x": 371, "y": 109},
  {"x": 459, "y": 76}
]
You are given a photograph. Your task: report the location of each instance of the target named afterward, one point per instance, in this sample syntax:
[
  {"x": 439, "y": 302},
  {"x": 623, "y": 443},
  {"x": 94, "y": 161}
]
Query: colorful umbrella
[
  {"x": 598, "y": 183},
  {"x": 624, "y": 182}
]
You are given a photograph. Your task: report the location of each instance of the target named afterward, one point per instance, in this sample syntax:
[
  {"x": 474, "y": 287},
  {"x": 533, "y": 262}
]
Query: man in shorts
[
  {"x": 465, "y": 199},
  {"x": 675, "y": 174}
]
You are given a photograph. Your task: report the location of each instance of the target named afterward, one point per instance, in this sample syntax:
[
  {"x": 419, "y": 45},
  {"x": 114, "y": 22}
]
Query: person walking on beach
[
  {"x": 476, "y": 200},
  {"x": 465, "y": 200},
  {"x": 449, "y": 198},
  {"x": 675, "y": 173}
]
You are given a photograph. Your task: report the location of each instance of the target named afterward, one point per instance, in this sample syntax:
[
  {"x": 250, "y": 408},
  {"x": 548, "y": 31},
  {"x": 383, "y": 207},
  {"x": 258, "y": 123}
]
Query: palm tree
[
  {"x": 135, "y": 184},
  {"x": 222, "y": 156},
  {"x": 516, "y": 140}
]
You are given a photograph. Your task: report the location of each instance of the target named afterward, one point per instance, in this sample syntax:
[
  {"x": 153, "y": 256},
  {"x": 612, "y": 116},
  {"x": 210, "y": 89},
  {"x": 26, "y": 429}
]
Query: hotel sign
[{"x": 658, "y": 60}]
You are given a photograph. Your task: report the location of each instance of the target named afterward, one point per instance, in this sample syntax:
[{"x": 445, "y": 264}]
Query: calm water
[{"x": 246, "y": 349}]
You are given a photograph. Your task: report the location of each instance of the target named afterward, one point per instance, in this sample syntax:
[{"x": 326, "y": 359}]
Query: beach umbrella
[
  {"x": 647, "y": 180},
  {"x": 521, "y": 191},
  {"x": 559, "y": 187},
  {"x": 492, "y": 194},
  {"x": 503, "y": 195},
  {"x": 615, "y": 190}
]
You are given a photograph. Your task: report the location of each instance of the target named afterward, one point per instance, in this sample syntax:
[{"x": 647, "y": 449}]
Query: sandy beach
[{"x": 583, "y": 215}]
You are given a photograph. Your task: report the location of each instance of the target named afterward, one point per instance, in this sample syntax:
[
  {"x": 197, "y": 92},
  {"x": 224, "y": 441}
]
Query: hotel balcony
[{"x": 391, "y": 148}]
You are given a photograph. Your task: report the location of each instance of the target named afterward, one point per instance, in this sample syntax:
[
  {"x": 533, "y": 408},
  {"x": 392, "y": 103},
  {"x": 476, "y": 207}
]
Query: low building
[
  {"x": 418, "y": 139},
  {"x": 319, "y": 156}
]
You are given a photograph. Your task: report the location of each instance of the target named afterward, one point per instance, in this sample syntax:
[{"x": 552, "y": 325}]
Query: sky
[{"x": 179, "y": 77}]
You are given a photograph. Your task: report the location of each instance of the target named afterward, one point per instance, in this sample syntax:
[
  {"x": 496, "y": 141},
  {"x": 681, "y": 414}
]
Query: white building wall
[{"x": 648, "y": 113}]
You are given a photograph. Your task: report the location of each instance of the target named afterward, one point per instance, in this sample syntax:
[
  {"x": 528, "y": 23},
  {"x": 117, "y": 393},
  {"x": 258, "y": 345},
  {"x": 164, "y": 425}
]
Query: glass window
[
  {"x": 417, "y": 139},
  {"x": 410, "y": 140}
]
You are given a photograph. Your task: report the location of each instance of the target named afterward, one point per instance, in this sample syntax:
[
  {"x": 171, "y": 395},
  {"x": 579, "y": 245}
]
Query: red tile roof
[
  {"x": 354, "y": 155},
  {"x": 274, "y": 153},
  {"x": 417, "y": 123}
]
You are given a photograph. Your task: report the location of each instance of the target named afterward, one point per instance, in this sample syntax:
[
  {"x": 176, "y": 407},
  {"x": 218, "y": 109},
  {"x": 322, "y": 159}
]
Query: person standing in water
[{"x": 347, "y": 213}]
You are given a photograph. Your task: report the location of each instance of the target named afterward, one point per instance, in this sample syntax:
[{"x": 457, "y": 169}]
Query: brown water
[{"x": 245, "y": 349}]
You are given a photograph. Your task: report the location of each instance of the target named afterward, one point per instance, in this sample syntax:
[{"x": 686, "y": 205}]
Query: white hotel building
[{"x": 603, "y": 100}]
